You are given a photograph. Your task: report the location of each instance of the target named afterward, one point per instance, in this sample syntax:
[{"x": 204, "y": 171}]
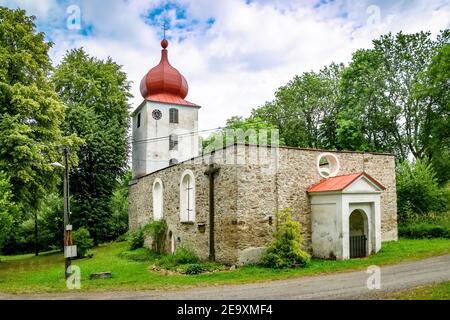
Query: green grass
[
  {"x": 437, "y": 291},
  {"x": 29, "y": 274}
]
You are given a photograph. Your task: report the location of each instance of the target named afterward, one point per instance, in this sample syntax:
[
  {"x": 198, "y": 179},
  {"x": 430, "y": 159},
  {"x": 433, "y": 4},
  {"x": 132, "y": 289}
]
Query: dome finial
[{"x": 164, "y": 42}]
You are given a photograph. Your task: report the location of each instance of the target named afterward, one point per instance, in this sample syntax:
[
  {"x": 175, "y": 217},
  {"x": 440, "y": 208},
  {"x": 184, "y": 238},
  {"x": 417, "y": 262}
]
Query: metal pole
[{"x": 67, "y": 261}]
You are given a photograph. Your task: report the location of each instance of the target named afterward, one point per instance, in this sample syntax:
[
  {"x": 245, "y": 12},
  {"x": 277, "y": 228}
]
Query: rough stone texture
[{"x": 248, "y": 193}]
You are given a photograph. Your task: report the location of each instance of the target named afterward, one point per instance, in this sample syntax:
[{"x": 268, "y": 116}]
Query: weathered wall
[{"x": 248, "y": 194}]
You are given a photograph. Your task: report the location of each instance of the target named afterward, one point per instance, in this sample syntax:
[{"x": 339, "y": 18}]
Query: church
[{"x": 222, "y": 203}]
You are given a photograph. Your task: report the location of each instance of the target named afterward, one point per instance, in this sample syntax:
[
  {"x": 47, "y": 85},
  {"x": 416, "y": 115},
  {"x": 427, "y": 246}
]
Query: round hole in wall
[{"x": 328, "y": 165}]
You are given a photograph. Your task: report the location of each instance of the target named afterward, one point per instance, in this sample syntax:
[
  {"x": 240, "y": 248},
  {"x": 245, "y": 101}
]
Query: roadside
[{"x": 348, "y": 285}]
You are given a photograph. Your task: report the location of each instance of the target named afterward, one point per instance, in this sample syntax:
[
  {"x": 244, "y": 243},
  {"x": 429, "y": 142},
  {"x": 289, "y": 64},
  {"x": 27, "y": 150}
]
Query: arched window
[
  {"x": 158, "y": 199},
  {"x": 187, "y": 197},
  {"x": 173, "y": 115}
]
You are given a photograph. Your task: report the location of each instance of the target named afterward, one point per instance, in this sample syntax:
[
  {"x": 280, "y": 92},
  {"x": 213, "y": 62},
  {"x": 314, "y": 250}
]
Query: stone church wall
[{"x": 249, "y": 193}]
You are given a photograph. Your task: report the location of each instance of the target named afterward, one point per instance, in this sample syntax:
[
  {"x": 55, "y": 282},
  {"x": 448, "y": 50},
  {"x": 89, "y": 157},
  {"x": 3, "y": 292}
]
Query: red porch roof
[{"x": 339, "y": 183}]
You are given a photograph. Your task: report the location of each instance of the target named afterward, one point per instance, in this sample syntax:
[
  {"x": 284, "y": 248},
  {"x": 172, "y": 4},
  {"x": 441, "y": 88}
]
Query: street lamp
[{"x": 67, "y": 226}]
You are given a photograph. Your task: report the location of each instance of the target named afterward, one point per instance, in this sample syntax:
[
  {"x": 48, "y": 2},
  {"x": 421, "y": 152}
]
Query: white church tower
[{"x": 165, "y": 126}]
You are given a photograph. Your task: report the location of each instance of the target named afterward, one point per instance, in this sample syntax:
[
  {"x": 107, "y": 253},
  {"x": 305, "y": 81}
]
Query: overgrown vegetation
[
  {"x": 157, "y": 231},
  {"x": 418, "y": 190},
  {"x": 82, "y": 239},
  {"x": 430, "y": 225},
  {"x": 285, "y": 252},
  {"x": 136, "y": 239}
]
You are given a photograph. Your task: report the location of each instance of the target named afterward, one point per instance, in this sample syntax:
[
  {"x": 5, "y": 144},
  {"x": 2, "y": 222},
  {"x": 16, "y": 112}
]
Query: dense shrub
[
  {"x": 181, "y": 256},
  {"x": 418, "y": 190},
  {"x": 194, "y": 268},
  {"x": 157, "y": 231},
  {"x": 424, "y": 231},
  {"x": 430, "y": 225},
  {"x": 82, "y": 239},
  {"x": 136, "y": 239},
  {"x": 285, "y": 252}
]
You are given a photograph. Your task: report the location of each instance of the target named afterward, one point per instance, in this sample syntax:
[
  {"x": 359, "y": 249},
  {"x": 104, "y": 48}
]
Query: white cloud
[{"x": 248, "y": 52}]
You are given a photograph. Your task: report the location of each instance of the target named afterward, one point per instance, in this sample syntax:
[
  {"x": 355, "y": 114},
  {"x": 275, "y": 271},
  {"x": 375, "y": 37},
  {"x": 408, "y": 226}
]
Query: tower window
[
  {"x": 173, "y": 115},
  {"x": 173, "y": 142},
  {"x": 139, "y": 120}
]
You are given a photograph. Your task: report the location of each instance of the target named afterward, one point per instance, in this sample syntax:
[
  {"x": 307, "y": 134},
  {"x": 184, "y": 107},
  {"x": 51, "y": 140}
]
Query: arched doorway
[{"x": 358, "y": 233}]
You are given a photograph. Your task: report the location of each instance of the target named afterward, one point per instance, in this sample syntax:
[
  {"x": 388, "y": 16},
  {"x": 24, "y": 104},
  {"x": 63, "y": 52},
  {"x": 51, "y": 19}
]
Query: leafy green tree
[
  {"x": 305, "y": 110},
  {"x": 436, "y": 131},
  {"x": 418, "y": 191},
  {"x": 7, "y": 208},
  {"x": 119, "y": 205},
  {"x": 30, "y": 112},
  {"x": 381, "y": 109},
  {"x": 252, "y": 130},
  {"x": 96, "y": 94}
]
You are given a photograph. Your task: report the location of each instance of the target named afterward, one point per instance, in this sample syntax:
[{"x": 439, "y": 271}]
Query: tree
[
  {"x": 30, "y": 113},
  {"x": 305, "y": 110},
  {"x": 436, "y": 132},
  {"x": 418, "y": 190},
  {"x": 119, "y": 205},
  {"x": 7, "y": 208},
  {"x": 96, "y": 94},
  {"x": 381, "y": 110}
]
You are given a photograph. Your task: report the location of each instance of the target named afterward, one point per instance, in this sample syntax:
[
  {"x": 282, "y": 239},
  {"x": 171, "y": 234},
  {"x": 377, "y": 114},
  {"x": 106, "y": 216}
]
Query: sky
[{"x": 234, "y": 53}]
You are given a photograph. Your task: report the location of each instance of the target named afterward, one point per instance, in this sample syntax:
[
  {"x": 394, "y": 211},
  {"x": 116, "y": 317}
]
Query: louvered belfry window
[
  {"x": 173, "y": 142},
  {"x": 173, "y": 115}
]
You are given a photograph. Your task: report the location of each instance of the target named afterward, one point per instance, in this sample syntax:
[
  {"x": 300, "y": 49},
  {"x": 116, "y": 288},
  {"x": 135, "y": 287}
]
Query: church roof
[
  {"x": 339, "y": 183},
  {"x": 164, "y": 83}
]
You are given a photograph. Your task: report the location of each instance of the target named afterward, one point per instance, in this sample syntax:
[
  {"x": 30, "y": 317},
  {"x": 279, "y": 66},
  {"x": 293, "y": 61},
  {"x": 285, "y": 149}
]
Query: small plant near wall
[
  {"x": 284, "y": 251},
  {"x": 136, "y": 239},
  {"x": 157, "y": 230}
]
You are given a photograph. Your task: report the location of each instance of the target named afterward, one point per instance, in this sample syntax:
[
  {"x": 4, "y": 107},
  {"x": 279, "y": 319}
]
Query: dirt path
[{"x": 349, "y": 285}]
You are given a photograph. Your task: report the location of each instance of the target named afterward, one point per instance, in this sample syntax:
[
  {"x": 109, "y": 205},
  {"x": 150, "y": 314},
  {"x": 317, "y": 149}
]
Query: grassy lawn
[
  {"x": 28, "y": 274},
  {"x": 438, "y": 291}
]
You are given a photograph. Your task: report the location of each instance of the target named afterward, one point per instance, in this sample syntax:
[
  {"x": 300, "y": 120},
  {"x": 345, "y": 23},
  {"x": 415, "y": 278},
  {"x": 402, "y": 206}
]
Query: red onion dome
[{"x": 164, "y": 79}]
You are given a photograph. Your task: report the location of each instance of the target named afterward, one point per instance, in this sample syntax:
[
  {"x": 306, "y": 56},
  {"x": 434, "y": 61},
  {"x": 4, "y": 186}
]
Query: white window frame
[
  {"x": 187, "y": 197},
  {"x": 333, "y": 162},
  {"x": 158, "y": 200}
]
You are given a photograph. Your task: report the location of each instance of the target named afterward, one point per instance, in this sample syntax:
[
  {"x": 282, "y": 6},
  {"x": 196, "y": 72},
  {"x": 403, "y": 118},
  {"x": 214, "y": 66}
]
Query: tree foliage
[
  {"x": 381, "y": 108},
  {"x": 285, "y": 251},
  {"x": 418, "y": 190},
  {"x": 7, "y": 207},
  {"x": 30, "y": 111},
  {"x": 96, "y": 94}
]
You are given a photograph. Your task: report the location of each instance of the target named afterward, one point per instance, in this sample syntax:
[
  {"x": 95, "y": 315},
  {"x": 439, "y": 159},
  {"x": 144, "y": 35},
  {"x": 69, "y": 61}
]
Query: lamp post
[{"x": 67, "y": 226}]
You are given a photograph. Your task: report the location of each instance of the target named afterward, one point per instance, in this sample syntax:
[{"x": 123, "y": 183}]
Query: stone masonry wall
[{"x": 249, "y": 193}]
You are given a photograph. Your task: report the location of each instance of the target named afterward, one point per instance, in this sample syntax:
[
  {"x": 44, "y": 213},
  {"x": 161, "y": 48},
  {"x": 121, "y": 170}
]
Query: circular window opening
[{"x": 328, "y": 165}]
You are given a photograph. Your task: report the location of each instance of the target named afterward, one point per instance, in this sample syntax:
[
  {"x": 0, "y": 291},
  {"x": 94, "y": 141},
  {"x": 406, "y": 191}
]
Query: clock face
[{"x": 156, "y": 114}]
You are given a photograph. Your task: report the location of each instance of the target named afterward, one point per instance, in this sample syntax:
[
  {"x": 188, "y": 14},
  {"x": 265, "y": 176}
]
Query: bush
[
  {"x": 424, "y": 231},
  {"x": 136, "y": 239},
  {"x": 181, "y": 256},
  {"x": 157, "y": 230},
  {"x": 430, "y": 225},
  {"x": 285, "y": 252},
  {"x": 82, "y": 239},
  {"x": 194, "y": 268},
  {"x": 418, "y": 190}
]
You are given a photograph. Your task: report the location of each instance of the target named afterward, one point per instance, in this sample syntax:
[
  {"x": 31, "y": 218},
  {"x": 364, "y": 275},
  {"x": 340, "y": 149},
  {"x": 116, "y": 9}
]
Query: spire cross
[{"x": 164, "y": 29}]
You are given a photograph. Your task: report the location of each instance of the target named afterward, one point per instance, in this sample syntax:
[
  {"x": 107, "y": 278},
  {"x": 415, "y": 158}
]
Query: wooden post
[{"x": 211, "y": 173}]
